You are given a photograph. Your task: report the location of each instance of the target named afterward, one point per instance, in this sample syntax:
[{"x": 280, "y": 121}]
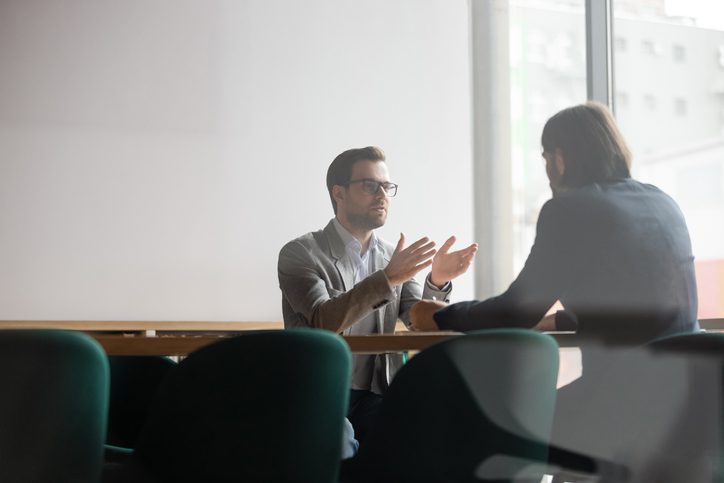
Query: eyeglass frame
[{"x": 380, "y": 184}]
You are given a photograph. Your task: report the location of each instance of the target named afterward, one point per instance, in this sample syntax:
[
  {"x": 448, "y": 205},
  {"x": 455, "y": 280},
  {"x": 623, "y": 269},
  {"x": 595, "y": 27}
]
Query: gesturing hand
[
  {"x": 406, "y": 262},
  {"x": 448, "y": 265}
]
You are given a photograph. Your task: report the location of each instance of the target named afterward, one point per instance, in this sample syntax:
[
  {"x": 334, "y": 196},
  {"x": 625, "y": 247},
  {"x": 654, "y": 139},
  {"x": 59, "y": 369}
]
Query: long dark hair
[{"x": 591, "y": 144}]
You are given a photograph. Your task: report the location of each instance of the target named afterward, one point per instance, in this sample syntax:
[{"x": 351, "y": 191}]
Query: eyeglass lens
[{"x": 372, "y": 187}]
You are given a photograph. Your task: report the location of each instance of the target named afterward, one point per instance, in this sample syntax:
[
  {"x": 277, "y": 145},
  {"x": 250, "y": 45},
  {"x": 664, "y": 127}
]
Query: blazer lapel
[{"x": 338, "y": 251}]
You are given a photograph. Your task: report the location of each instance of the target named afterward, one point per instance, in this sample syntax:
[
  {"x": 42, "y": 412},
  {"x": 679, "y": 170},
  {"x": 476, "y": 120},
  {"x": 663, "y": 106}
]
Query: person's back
[
  {"x": 629, "y": 271},
  {"x": 615, "y": 252}
]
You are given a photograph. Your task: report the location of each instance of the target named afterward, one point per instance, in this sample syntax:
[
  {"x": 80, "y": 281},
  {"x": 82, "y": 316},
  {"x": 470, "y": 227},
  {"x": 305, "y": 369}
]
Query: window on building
[
  {"x": 648, "y": 47},
  {"x": 621, "y": 44},
  {"x": 679, "y": 53},
  {"x": 649, "y": 102},
  {"x": 680, "y": 107}
]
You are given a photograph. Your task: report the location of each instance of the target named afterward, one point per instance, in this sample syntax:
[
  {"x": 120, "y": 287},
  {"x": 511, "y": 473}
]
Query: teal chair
[
  {"x": 474, "y": 408},
  {"x": 53, "y": 406},
  {"x": 264, "y": 406},
  {"x": 134, "y": 383}
]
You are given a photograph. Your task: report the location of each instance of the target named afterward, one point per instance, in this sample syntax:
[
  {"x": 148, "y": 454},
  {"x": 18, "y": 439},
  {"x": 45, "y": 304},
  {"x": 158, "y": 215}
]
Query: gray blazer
[{"x": 317, "y": 283}]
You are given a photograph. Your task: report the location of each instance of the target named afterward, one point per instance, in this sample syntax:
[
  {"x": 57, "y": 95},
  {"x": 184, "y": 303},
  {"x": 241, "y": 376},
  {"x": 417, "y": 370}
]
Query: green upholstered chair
[
  {"x": 134, "y": 383},
  {"x": 474, "y": 408},
  {"x": 264, "y": 406},
  {"x": 53, "y": 406}
]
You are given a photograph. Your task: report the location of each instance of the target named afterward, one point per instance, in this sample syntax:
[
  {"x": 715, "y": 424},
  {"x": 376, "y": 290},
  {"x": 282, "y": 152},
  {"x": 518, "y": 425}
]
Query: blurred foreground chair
[
  {"x": 472, "y": 408},
  {"x": 694, "y": 450},
  {"x": 53, "y": 406},
  {"x": 655, "y": 410},
  {"x": 134, "y": 383},
  {"x": 264, "y": 406}
]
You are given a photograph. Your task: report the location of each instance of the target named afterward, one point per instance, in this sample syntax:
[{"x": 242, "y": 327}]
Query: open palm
[{"x": 447, "y": 265}]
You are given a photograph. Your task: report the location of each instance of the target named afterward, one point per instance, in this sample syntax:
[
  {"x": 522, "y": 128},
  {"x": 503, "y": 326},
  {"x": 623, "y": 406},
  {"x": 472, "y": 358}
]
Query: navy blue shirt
[{"x": 617, "y": 254}]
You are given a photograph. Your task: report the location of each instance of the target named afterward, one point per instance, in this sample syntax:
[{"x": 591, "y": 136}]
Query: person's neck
[{"x": 361, "y": 235}]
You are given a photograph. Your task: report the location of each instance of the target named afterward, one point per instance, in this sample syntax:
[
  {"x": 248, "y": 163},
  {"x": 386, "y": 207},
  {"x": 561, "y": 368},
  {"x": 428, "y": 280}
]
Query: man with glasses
[{"x": 345, "y": 279}]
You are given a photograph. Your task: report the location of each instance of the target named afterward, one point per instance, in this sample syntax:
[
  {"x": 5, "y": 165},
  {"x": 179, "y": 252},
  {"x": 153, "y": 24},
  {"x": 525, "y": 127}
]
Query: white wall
[{"x": 155, "y": 155}]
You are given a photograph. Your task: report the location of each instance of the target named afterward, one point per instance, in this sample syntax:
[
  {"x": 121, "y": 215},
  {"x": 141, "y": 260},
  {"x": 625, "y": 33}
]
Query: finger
[
  {"x": 466, "y": 252},
  {"x": 446, "y": 246},
  {"x": 468, "y": 257},
  {"x": 427, "y": 246},
  {"x": 422, "y": 241},
  {"x": 423, "y": 265},
  {"x": 424, "y": 255},
  {"x": 400, "y": 243}
]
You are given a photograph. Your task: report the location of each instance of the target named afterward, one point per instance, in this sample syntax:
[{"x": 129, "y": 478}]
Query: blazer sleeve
[
  {"x": 541, "y": 282},
  {"x": 307, "y": 292},
  {"x": 412, "y": 292}
]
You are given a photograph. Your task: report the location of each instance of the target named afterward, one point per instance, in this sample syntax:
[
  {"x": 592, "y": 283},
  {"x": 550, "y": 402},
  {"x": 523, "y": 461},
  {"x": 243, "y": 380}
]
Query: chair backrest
[
  {"x": 695, "y": 446},
  {"x": 264, "y": 406},
  {"x": 134, "y": 383},
  {"x": 53, "y": 406},
  {"x": 654, "y": 410},
  {"x": 476, "y": 407}
]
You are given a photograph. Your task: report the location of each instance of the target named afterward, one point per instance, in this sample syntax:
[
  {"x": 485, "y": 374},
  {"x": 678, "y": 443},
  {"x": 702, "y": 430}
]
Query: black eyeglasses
[{"x": 372, "y": 186}]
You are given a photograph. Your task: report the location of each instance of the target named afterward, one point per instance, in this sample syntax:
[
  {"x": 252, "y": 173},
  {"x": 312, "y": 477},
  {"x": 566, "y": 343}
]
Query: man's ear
[
  {"x": 338, "y": 193},
  {"x": 559, "y": 162}
]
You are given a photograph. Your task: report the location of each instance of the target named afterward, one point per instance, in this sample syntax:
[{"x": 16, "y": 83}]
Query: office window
[
  {"x": 701, "y": 184},
  {"x": 677, "y": 132},
  {"x": 548, "y": 76}
]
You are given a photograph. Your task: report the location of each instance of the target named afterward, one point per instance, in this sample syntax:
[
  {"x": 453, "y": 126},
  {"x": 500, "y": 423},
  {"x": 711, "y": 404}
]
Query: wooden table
[
  {"x": 182, "y": 344},
  {"x": 183, "y": 337}
]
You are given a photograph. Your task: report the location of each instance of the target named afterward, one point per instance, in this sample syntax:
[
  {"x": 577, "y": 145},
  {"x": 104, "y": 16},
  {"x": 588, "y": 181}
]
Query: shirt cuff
[{"x": 430, "y": 285}]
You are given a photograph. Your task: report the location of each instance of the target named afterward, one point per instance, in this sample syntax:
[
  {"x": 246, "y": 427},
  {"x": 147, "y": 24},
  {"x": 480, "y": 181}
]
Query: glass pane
[
  {"x": 669, "y": 100},
  {"x": 548, "y": 73}
]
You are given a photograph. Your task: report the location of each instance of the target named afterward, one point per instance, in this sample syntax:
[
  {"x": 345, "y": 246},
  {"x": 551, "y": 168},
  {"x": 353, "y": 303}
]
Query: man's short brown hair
[
  {"x": 340, "y": 171},
  {"x": 592, "y": 146}
]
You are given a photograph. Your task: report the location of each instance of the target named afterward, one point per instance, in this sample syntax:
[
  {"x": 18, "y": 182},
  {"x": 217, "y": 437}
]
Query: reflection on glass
[{"x": 670, "y": 105}]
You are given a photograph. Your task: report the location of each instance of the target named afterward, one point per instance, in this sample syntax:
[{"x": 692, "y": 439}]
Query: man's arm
[
  {"x": 542, "y": 281},
  {"x": 308, "y": 295},
  {"x": 413, "y": 292}
]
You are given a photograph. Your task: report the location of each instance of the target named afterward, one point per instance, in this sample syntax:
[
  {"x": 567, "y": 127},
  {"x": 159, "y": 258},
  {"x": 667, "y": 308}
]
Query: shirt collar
[{"x": 350, "y": 242}]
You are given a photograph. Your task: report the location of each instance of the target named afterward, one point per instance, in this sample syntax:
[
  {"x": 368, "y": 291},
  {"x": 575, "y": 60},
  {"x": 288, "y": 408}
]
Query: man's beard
[{"x": 366, "y": 221}]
